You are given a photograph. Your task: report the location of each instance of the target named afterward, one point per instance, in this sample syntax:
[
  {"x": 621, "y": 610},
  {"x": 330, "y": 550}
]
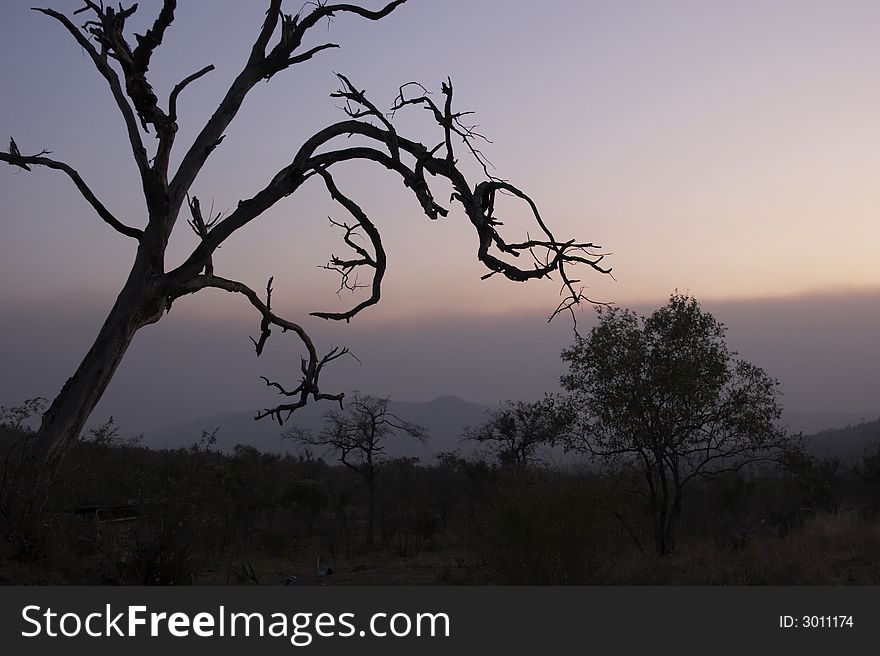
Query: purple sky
[{"x": 728, "y": 149}]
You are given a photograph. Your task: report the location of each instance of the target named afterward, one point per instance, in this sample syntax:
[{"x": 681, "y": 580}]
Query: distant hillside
[
  {"x": 445, "y": 418},
  {"x": 817, "y": 421},
  {"x": 847, "y": 443}
]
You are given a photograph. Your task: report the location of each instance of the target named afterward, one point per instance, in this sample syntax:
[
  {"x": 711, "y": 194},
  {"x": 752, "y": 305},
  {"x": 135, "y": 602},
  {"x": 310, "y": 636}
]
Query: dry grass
[{"x": 830, "y": 549}]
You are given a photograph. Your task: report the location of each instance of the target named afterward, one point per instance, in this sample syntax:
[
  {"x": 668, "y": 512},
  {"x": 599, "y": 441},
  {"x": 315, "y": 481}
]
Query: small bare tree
[
  {"x": 357, "y": 437},
  {"x": 367, "y": 134}
]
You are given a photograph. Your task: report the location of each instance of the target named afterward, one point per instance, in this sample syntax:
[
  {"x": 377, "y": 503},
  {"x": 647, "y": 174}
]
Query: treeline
[{"x": 123, "y": 514}]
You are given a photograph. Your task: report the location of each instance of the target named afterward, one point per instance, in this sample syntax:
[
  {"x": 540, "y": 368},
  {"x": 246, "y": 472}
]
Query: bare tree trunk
[
  {"x": 660, "y": 503},
  {"x": 672, "y": 518},
  {"x": 660, "y": 532},
  {"x": 666, "y": 514},
  {"x": 137, "y": 305}
]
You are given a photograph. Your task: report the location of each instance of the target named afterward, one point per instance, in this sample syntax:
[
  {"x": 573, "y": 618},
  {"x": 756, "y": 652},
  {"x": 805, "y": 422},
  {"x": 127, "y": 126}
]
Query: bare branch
[
  {"x": 305, "y": 164},
  {"x": 351, "y": 94},
  {"x": 311, "y": 366},
  {"x": 329, "y": 10},
  {"x": 148, "y": 43},
  {"x": 258, "y": 52},
  {"x": 308, "y": 385},
  {"x": 260, "y": 65},
  {"x": 200, "y": 226},
  {"x": 377, "y": 262},
  {"x": 16, "y": 159},
  {"x": 549, "y": 255},
  {"x": 101, "y": 63},
  {"x": 308, "y": 54},
  {"x": 449, "y": 120},
  {"x": 108, "y": 29},
  {"x": 180, "y": 86}
]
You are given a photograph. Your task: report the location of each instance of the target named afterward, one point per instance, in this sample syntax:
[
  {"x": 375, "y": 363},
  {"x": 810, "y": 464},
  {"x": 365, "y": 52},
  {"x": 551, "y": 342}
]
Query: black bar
[{"x": 507, "y": 620}]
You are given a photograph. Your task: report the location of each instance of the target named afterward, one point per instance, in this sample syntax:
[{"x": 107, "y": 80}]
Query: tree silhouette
[
  {"x": 369, "y": 136},
  {"x": 664, "y": 394},
  {"x": 356, "y": 436},
  {"x": 516, "y": 430}
]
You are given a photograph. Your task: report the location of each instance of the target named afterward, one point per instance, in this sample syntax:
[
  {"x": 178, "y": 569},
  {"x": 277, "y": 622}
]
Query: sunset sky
[{"x": 727, "y": 149}]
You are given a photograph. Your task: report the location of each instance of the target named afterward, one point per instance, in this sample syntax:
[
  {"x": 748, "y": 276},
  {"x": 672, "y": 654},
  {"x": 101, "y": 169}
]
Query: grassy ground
[{"x": 830, "y": 549}]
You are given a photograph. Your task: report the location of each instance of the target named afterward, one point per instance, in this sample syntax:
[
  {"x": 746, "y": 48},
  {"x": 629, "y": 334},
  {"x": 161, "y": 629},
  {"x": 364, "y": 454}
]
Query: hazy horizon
[{"x": 821, "y": 347}]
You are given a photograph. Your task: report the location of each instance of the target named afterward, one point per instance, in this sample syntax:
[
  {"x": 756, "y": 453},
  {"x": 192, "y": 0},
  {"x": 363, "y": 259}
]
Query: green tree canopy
[{"x": 664, "y": 394}]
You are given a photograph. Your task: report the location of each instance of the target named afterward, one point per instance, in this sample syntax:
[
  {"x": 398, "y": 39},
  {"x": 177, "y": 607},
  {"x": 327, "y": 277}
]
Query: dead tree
[
  {"x": 357, "y": 437},
  {"x": 366, "y": 134}
]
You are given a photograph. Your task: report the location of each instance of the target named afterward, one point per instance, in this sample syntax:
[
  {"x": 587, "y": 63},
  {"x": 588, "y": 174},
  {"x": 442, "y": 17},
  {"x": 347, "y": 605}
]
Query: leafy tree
[
  {"x": 516, "y": 431},
  {"x": 366, "y": 135},
  {"x": 357, "y": 436},
  {"x": 664, "y": 394}
]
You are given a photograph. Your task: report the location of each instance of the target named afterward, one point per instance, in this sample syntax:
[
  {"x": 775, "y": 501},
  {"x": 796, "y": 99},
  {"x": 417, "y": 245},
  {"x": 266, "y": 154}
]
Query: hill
[{"x": 848, "y": 443}]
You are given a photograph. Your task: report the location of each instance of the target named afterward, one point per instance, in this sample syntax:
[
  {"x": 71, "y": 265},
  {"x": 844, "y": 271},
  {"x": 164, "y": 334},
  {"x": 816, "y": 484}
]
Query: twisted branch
[
  {"x": 310, "y": 366},
  {"x": 345, "y": 267},
  {"x": 15, "y": 158}
]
